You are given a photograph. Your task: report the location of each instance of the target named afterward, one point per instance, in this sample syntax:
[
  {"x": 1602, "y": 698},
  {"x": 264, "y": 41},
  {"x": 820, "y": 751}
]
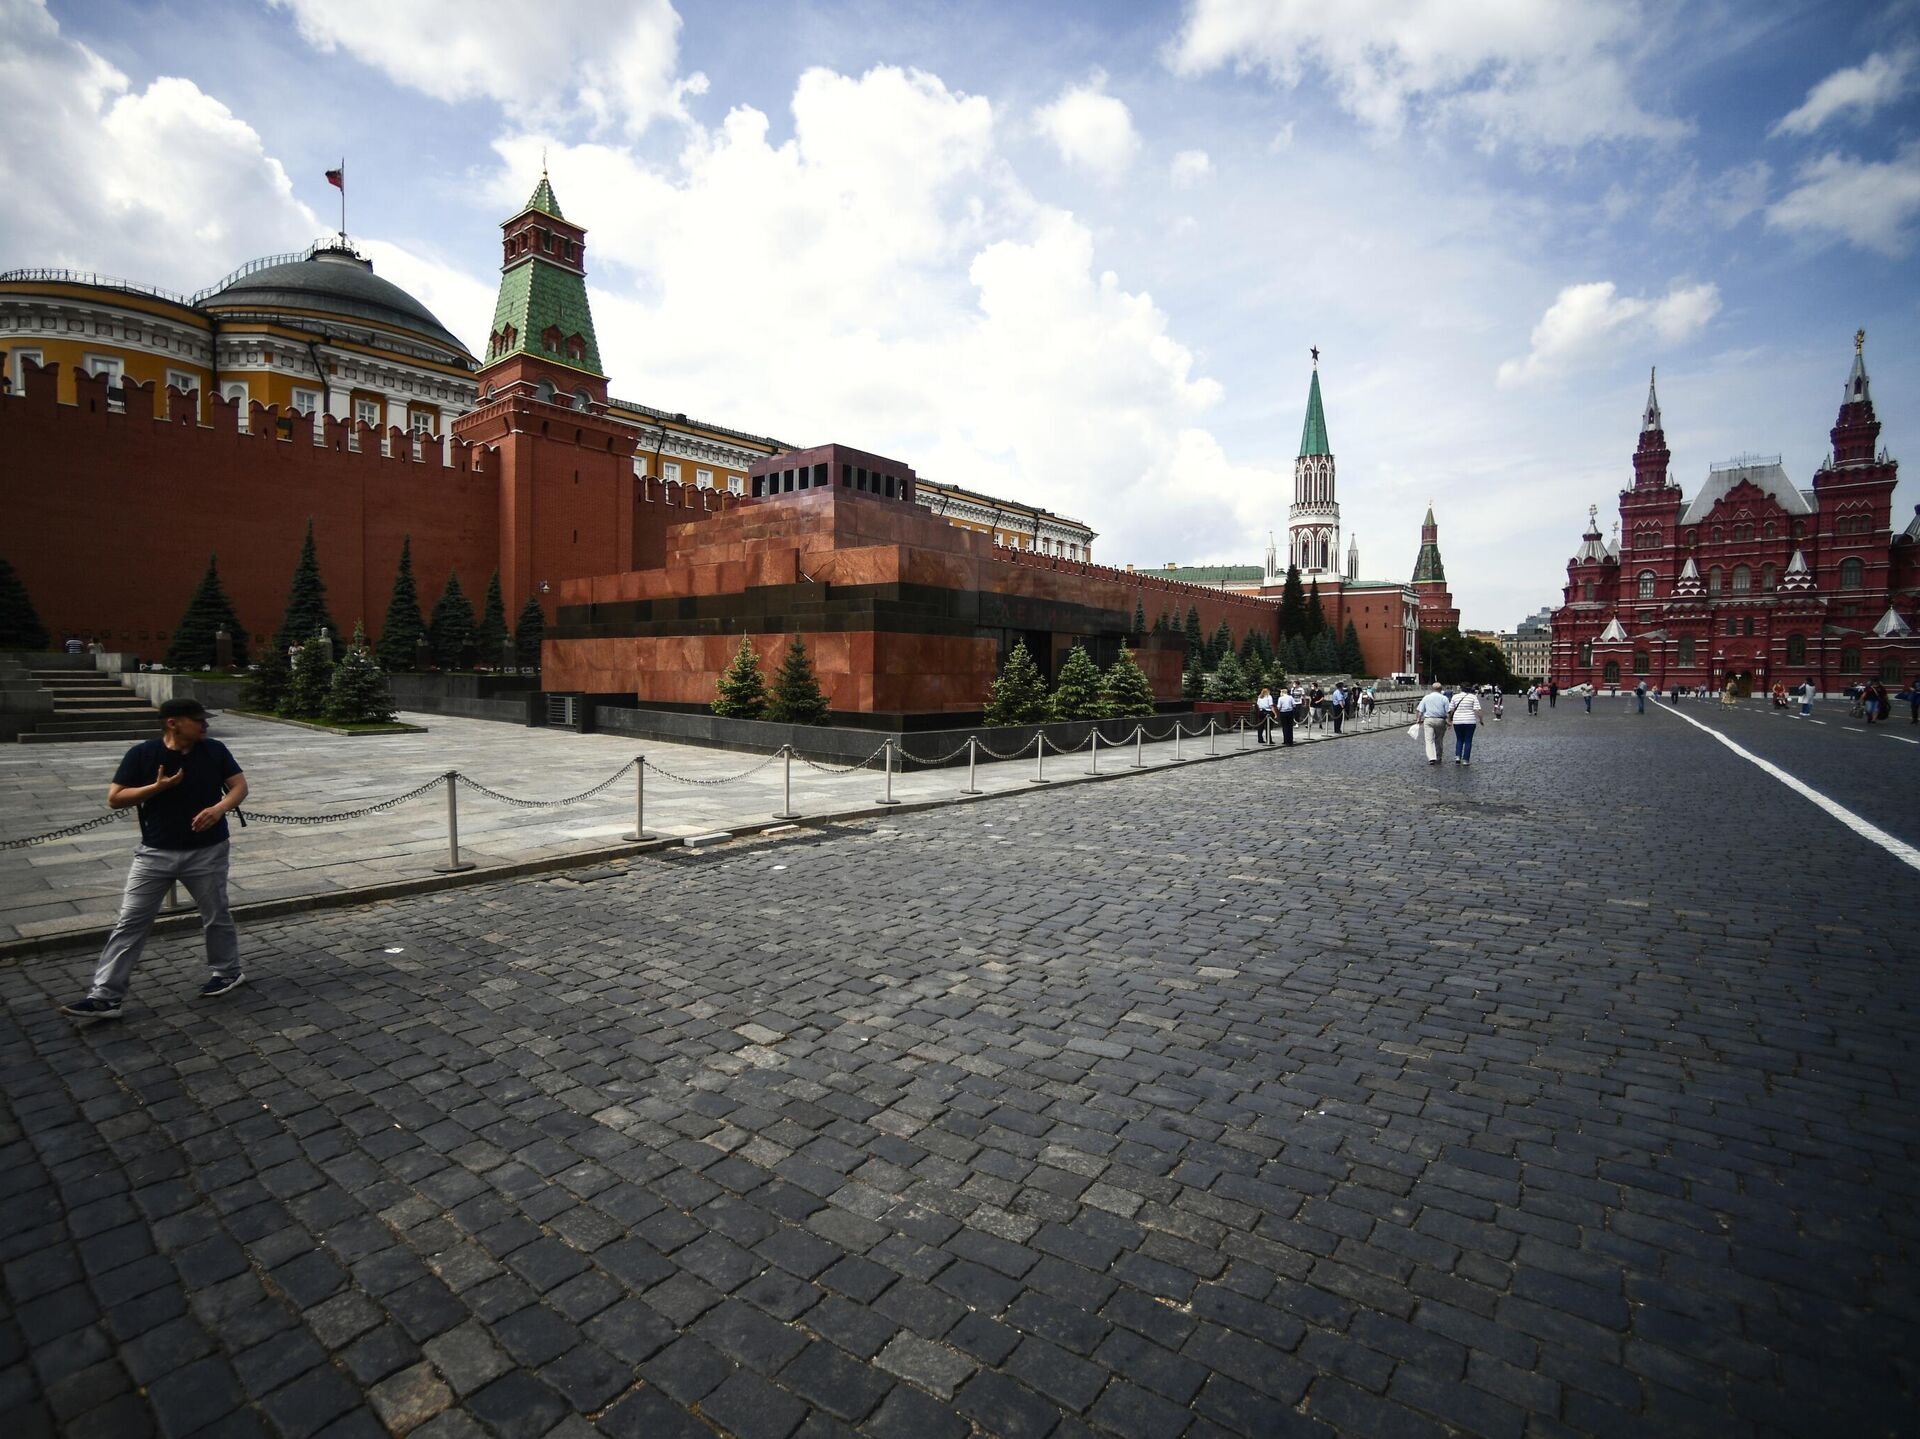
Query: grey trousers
[{"x": 204, "y": 873}]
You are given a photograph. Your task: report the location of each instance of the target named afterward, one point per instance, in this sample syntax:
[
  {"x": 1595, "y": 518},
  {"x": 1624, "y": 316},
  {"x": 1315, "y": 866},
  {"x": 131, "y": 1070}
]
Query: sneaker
[
  {"x": 91, "y": 1008},
  {"x": 220, "y": 984}
]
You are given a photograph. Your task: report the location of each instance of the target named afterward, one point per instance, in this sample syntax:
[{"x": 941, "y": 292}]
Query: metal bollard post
[
  {"x": 1094, "y": 768},
  {"x": 1040, "y": 760},
  {"x": 886, "y": 764},
  {"x": 1179, "y": 730},
  {"x": 1213, "y": 737},
  {"x": 639, "y": 801},
  {"x": 786, "y": 804},
  {"x": 972, "y": 746},
  {"x": 454, "y": 864},
  {"x": 1242, "y": 725},
  {"x": 1139, "y": 746}
]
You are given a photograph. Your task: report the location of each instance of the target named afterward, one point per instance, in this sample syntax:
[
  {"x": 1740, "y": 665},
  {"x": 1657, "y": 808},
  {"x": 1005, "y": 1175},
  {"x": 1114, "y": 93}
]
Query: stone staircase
[{"x": 89, "y": 706}]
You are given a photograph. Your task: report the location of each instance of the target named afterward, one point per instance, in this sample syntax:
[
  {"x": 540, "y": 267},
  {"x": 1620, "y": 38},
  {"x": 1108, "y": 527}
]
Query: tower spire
[
  {"x": 1313, "y": 519},
  {"x": 1651, "y": 419}
]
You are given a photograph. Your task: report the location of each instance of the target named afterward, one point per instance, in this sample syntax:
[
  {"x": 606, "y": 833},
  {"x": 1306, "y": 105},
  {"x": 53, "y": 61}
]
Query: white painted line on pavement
[{"x": 1898, "y": 848}]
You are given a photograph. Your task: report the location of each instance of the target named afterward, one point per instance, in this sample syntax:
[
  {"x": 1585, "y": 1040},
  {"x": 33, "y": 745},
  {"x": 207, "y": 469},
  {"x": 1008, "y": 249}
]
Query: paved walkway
[
  {"x": 1566, "y": 1094},
  {"x": 73, "y": 886}
]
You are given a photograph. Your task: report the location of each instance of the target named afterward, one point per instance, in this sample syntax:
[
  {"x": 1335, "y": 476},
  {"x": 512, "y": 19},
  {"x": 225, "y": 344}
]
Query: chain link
[
  {"x": 653, "y": 768},
  {"x": 837, "y": 769},
  {"x": 607, "y": 783},
  {"x": 932, "y": 762},
  {"x": 95, "y": 823},
  {"x": 338, "y": 815}
]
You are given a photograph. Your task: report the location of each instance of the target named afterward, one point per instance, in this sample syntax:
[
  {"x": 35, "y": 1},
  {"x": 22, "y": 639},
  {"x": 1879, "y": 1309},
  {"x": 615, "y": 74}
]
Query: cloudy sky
[{"x": 1076, "y": 253}]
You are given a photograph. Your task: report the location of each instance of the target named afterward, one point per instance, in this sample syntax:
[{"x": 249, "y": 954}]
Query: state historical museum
[{"x": 1754, "y": 581}]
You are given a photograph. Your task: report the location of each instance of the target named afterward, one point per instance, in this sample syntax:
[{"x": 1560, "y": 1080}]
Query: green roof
[
  {"x": 1313, "y": 436},
  {"x": 1208, "y": 574},
  {"x": 1427, "y": 568},
  {"x": 534, "y": 295},
  {"x": 543, "y": 200}
]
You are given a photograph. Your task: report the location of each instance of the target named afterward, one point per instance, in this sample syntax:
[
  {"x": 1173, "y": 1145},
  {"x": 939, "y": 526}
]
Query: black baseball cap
[{"x": 183, "y": 709}]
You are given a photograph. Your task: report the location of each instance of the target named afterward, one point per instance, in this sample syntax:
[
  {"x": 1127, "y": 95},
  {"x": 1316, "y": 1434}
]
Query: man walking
[
  {"x": 1337, "y": 705},
  {"x": 1553, "y": 694},
  {"x": 1640, "y": 698},
  {"x": 1433, "y": 720},
  {"x": 184, "y": 786},
  {"x": 1283, "y": 707}
]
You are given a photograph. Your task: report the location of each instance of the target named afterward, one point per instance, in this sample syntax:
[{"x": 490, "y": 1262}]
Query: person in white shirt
[
  {"x": 1264, "y": 717},
  {"x": 1284, "y": 707},
  {"x": 1465, "y": 715},
  {"x": 1433, "y": 721}
]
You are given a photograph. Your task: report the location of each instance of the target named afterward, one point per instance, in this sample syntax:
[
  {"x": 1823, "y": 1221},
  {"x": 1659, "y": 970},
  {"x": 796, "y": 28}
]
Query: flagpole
[{"x": 343, "y": 199}]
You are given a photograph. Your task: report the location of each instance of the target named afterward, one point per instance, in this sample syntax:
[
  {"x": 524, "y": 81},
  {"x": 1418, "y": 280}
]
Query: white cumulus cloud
[
  {"x": 1190, "y": 167},
  {"x": 1530, "y": 73},
  {"x": 1867, "y": 202},
  {"x": 1091, "y": 129},
  {"x": 1855, "y": 92},
  {"x": 164, "y": 186},
  {"x": 1589, "y": 321},
  {"x": 620, "y": 70}
]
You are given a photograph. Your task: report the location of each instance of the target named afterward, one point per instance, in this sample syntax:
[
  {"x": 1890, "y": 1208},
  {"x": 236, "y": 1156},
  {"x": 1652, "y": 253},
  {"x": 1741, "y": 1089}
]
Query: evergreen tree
[
  {"x": 1160, "y": 623},
  {"x": 1316, "y": 616},
  {"x": 1019, "y": 694},
  {"x": 20, "y": 627},
  {"x": 1275, "y": 678},
  {"x": 357, "y": 693},
  {"x": 450, "y": 631},
  {"x": 267, "y": 685},
  {"x": 1076, "y": 694},
  {"x": 1234, "y": 681},
  {"x": 401, "y": 630},
  {"x": 528, "y": 634},
  {"x": 796, "y": 697},
  {"x": 1139, "y": 616},
  {"x": 306, "y": 612},
  {"x": 1296, "y": 654},
  {"x": 1353, "y": 659},
  {"x": 1196, "y": 642},
  {"x": 1220, "y": 645},
  {"x": 1193, "y": 683},
  {"x": 208, "y": 612},
  {"x": 490, "y": 635},
  {"x": 306, "y": 696},
  {"x": 1323, "y": 656},
  {"x": 1293, "y": 606},
  {"x": 1126, "y": 691},
  {"x": 741, "y": 692}
]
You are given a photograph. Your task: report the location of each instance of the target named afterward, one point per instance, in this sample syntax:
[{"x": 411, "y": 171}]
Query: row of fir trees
[
  {"x": 794, "y": 697},
  {"x": 453, "y": 637},
  {"x": 1019, "y": 694}
]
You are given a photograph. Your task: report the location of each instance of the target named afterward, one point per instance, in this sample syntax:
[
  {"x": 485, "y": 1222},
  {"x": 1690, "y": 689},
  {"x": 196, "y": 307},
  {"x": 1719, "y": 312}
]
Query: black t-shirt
[{"x": 166, "y": 820}]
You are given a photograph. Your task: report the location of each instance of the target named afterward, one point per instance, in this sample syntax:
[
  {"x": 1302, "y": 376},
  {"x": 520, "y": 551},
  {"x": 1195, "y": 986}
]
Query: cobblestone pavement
[
  {"x": 74, "y": 884},
  {"x": 1339, "y": 1095}
]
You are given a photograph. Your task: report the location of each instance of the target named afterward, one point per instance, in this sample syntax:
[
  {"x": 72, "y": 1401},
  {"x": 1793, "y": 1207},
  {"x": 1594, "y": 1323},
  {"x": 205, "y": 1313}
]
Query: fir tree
[
  {"x": 209, "y": 611},
  {"x": 1220, "y": 645},
  {"x": 357, "y": 693},
  {"x": 1353, "y": 659},
  {"x": 1293, "y": 606},
  {"x": 306, "y": 696},
  {"x": 529, "y": 632},
  {"x": 795, "y": 697},
  {"x": 450, "y": 631},
  {"x": 1196, "y": 641},
  {"x": 1160, "y": 623},
  {"x": 490, "y": 635},
  {"x": 1193, "y": 681},
  {"x": 1139, "y": 616},
  {"x": 1126, "y": 692},
  {"x": 1296, "y": 654},
  {"x": 267, "y": 685},
  {"x": 1234, "y": 681},
  {"x": 1275, "y": 678},
  {"x": 1323, "y": 656},
  {"x": 1019, "y": 694},
  {"x": 306, "y": 612},
  {"x": 1316, "y": 616},
  {"x": 400, "y": 632},
  {"x": 1076, "y": 694},
  {"x": 20, "y": 627},
  {"x": 741, "y": 693}
]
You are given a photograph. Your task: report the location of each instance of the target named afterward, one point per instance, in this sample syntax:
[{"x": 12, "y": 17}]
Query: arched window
[
  {"x": 1849, "y": 662},
  {"x": 1587, "y": 590},
  {"x": 1640, "y": 664},
  {"x": 1742, "y": 579},
  {"x": 1852, "y": 572},
  {"x": 1611, "y": 675},
  {"x": 1686, "y": 652},
  {"x": 1693, "y": 538},
  {"x": 1586, "y": 654},
  {"x": 1796, "y": 649},
  {"x": 1646, "y": 584},
  {"x": 1718, "y": 534},
  {"x": 1713, "y": 580},
  {"x": 546, "y": 391},
  {"x": 1769, "y": 529},
  {"x": 1766, "y": 577}
]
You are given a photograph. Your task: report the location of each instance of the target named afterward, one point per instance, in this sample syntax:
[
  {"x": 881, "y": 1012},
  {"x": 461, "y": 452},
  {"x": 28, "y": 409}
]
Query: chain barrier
[
  {"x": 724, "y": 779},
  {"x": 95, "y": 823},
  {"x": 337, "y": 816},
  {"x": 838, "y": 769},
  {"x": 934, "y": 761},
  {"x": 605, "y": 784}
]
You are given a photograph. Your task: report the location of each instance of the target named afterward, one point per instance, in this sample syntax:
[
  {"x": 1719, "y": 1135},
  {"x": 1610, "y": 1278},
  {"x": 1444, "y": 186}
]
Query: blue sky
[{"x": 1077, "y": 253}]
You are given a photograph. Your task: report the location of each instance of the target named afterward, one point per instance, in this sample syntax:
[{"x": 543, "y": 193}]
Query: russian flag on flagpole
[{"x": 338, "y": 179}]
